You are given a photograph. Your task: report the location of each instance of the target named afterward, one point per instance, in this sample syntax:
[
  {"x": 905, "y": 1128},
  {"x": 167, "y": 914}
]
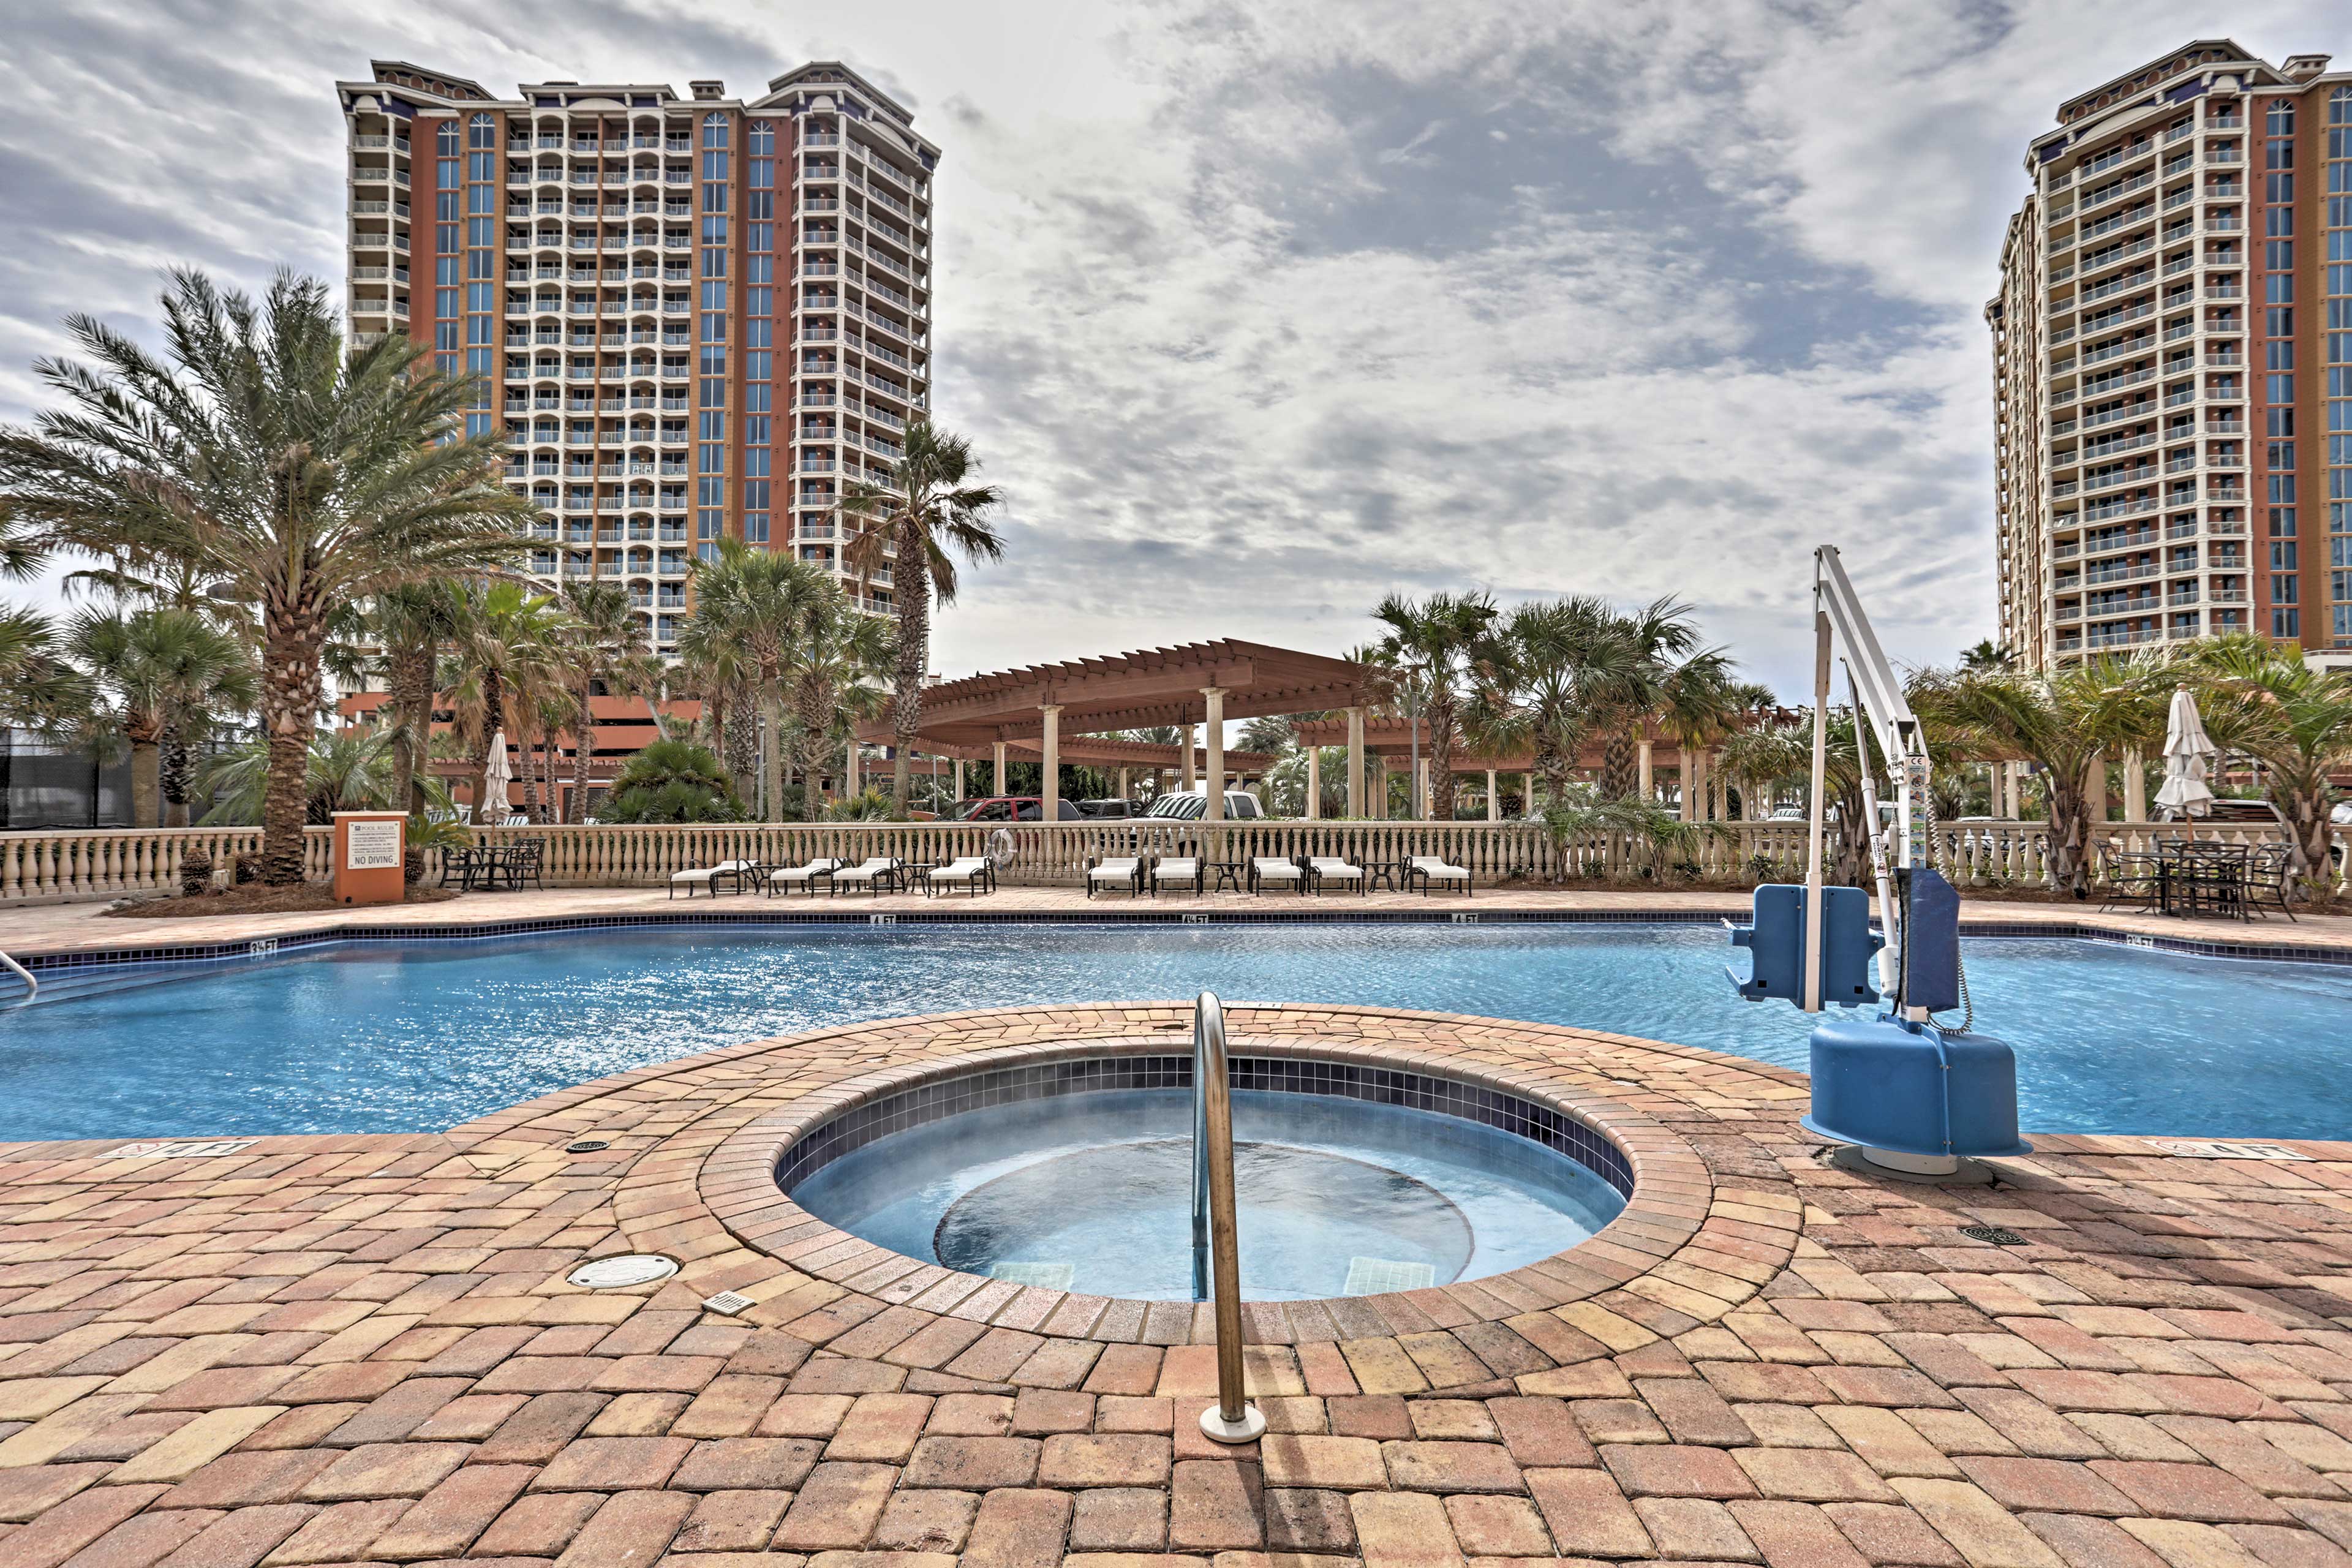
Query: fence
[{"x": 42, "y": 867}]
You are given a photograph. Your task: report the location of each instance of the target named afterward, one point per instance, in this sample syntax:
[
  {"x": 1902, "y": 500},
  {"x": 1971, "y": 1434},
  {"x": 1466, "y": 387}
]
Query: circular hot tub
[{"x": 1075, "y": 1174}]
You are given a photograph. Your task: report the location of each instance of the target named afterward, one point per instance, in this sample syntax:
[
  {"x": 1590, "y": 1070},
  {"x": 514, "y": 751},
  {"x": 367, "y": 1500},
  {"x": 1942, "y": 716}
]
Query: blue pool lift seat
[
  {"x": 1913, "y": 1088},
  {"x": 1776, "y": 937}
]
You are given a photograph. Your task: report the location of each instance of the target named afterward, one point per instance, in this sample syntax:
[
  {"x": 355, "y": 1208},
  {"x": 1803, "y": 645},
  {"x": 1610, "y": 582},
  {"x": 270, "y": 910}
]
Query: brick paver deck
[{"x": 332, "y": 1350}]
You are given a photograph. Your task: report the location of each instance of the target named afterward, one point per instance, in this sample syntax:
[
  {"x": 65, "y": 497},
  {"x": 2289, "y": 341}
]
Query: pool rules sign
[{"x": 369, "y": 846}]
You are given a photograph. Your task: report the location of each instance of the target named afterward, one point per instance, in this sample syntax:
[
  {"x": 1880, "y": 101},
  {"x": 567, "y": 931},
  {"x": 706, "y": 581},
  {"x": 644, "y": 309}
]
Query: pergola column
[
  {"x": 1357, "y": 803},
  {"x": 850, "y": 786},
  {"x": 959, "y": 778},
  {"x": 2095, "y": 790},
  {"x": 1699, "y": 786},
  {"x": 1493, "y": 798},
  {"x": 1124, "y": 792},
  {"x": 1184, "y": 742},
  {"x": 1528, "y": 796},
  {"x": 2135, "y": 786},
  {"x": 1642, "y": 754},
  {"x": 1313, "y": 784},
  {"x": 1214, "y": 733},
  {"x": 1002, "y": 786},
  {"x": 1049, "y": 792},
  {"x": 1689, "y": 790}
]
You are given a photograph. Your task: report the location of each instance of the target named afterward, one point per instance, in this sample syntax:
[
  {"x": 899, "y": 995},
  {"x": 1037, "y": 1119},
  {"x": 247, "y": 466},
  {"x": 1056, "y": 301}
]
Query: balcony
[{"x": 2117, "y": 509}]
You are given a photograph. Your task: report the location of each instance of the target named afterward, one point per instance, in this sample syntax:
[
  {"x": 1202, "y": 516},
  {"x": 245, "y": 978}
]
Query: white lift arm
[{"x": 1878, "y": 702}]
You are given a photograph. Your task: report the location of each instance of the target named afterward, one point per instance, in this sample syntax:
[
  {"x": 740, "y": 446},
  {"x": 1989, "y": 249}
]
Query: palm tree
[
  {"x": 837, "y": 657},
  {"x": 905, "y": 529},
  {"x": 715, "y": 666},
  {"x": 409, "y": 622},
  {"x": 1781, "y": 753},
  {"x": 171, "y": 674},
  {"x": 2262, "y": 700},
  {"x": 348, "y": 770},
  {"x": 505, "y": 647},
  {"x": 673, "y": 781},
  {"x": 1434, "y": 646},
  {"x": 2065, "y": 721},
  {"x": 604, "y": 644},
  {"x": 39, "y": 691},
  {"x": 295, "y": 471},
  {"x": 760, "y": 598},
  {"x": 1661, "y": 640},
  {"x": 1556, "y": 670}
]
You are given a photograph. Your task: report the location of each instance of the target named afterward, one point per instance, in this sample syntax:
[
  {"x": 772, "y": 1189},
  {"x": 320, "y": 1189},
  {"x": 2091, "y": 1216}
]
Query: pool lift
[{"x": 1912, "y": 1098}]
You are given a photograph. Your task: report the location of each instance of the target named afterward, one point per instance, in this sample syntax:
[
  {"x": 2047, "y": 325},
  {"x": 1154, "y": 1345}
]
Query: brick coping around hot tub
[
  {"x": 694, "y": 1143},
  {"x": 1664, "y": 1209}
]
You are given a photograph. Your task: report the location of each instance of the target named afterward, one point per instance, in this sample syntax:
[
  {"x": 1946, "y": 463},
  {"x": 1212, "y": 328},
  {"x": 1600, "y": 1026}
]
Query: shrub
[
  {"x": 247, "y": 867},
  {"x": 412, "y": 867},
  {"x": 195, "y": 874},
  {"x": 673, "y": 781}
]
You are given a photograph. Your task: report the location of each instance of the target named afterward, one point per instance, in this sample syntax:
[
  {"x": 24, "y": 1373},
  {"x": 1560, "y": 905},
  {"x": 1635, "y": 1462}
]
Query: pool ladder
[
  {"x": 1216, "y": 1240},
  {"x": 32, "y": 986}
]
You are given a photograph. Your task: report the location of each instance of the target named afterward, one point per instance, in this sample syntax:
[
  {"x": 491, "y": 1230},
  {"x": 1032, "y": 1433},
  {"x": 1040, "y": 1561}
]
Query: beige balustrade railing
[{"x": 105, "y": 863}]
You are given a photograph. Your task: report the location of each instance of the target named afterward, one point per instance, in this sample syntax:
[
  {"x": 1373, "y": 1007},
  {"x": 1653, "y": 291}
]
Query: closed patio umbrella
[
  {"x": 494, "y": 807},
  {"x": 2185, "y": 751}
]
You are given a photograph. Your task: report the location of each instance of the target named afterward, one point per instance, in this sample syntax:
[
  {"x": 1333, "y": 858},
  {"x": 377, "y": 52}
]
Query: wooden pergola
[
  {"x": 1196, "y": 683},
  {"x": 1392, "y": 741}
]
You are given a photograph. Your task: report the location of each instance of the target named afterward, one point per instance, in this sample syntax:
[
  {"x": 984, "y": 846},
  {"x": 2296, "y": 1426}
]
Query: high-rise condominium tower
[
  {"x": 2172, "y": 350},
  {"x": 698, "y": 317}
]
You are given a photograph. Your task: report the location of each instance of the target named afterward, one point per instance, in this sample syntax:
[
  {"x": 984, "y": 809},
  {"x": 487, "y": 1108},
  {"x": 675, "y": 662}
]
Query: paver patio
[{"x": 363, "y": 1349}]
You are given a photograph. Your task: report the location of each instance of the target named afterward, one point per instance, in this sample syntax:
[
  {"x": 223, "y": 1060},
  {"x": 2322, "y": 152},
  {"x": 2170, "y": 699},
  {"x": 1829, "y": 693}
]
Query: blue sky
[{"x": 1261, "y": 312}]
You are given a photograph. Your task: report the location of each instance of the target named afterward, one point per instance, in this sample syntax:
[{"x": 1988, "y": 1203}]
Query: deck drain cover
[
  {"x": 586, "y": 1146},
  {"x": 1993, "y": 1234},
  {"x": 619, "y": 1273}
]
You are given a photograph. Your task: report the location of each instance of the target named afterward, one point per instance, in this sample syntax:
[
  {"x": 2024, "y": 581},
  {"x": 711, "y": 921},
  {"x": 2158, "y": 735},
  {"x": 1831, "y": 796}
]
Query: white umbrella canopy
[
  {"x": 494, "y": 807},
  {"x": 2185, "y": 751}
]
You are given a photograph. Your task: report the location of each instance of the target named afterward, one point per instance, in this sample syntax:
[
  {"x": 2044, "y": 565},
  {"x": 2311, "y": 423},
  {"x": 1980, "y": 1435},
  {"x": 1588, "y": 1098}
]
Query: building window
[{"x": 714, "y": 130}]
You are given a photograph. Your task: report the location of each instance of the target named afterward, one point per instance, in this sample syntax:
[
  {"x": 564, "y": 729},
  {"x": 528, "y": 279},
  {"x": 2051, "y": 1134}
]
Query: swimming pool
[{"x": 415, "y": 1038}]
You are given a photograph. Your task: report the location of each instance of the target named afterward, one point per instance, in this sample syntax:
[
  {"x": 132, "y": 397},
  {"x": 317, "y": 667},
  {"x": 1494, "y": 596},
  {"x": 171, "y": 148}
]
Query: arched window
[
  {"x": 2279, "y": 120},
  {"x": 445, "y": 139},
  {"x": 714, "y": 130},
  {"x": 2339, "y": 107},
  {"x": 763, "y": 141},
  {"x": 482, "y": 133}
]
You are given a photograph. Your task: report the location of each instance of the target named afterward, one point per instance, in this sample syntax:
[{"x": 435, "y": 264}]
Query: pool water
[
  {"x": 1094, "y": 1193},
  {"x": 408, "y": 1038}
]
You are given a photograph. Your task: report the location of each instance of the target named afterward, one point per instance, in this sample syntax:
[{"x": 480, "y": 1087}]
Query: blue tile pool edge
[{"x": 195, "y": 954}]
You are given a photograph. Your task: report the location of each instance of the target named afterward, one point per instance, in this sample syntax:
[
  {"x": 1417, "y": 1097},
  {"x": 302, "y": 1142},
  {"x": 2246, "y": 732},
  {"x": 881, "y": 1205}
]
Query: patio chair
[
  {"x": 2270, "y": 880},
  {"x": 1175, "y": 871},
  {"x": 1268, "y": 871},
  {"x": 873, "y": 874},
  {"x": 1331, "y": 868},
  {"x": 2135, "y": 880},
  {"x": 971, "y": 872},
  {"x": 784, "y": 878},
  {"x": 1116, "y": 871},
  {"x": 1428, "y": 869},
  {"x": 709, "y": 877},
  {"x": 512, "y": 865}
]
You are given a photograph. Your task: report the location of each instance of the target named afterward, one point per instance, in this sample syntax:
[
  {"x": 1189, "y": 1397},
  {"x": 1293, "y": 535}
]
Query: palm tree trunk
[
  {"x": 1442, "y": 727},
  {"x": 176, "y": 768},
  {"x": 291, "y": 641},
  {"x": 1619, "y": 776},
  {"x": 912, "y": 582},
  {"x": 772, "y": 773},
  {"x": 494, "y": 719},
  {"x": 412, "y": 701},
  {"x": 2070, "y": 834},
  {"x": 530, "y": 777},
  {"x": 583, "y": 748},
  {"x": 141, "y": 730}
]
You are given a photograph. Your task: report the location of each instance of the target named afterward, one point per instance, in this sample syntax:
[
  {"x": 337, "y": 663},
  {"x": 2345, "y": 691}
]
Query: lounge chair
[
  {"x": 971, "y": 872},
  {"x": 1175, "y": 871},
  {"x": 1426, "y": 869},
  {"x": 1273, "y": 869},
  {"x": 1331, "y": 868},
  {"x": 1118, "y": 871},
  {"x": 784, "y": 878},
  {"x": 873, "y": 874},
  {"x": 735, "y": 871}
]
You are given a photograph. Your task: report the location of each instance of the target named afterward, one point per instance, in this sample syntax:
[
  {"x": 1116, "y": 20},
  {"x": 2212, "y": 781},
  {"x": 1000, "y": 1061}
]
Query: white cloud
[{"x": 1249, "y": 337}]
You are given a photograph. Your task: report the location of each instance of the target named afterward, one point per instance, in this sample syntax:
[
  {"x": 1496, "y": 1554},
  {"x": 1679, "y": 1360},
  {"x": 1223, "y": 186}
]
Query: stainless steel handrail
[
  {"x": 32, "y": 987},
  {"x": 1216, "y": 1240}
]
